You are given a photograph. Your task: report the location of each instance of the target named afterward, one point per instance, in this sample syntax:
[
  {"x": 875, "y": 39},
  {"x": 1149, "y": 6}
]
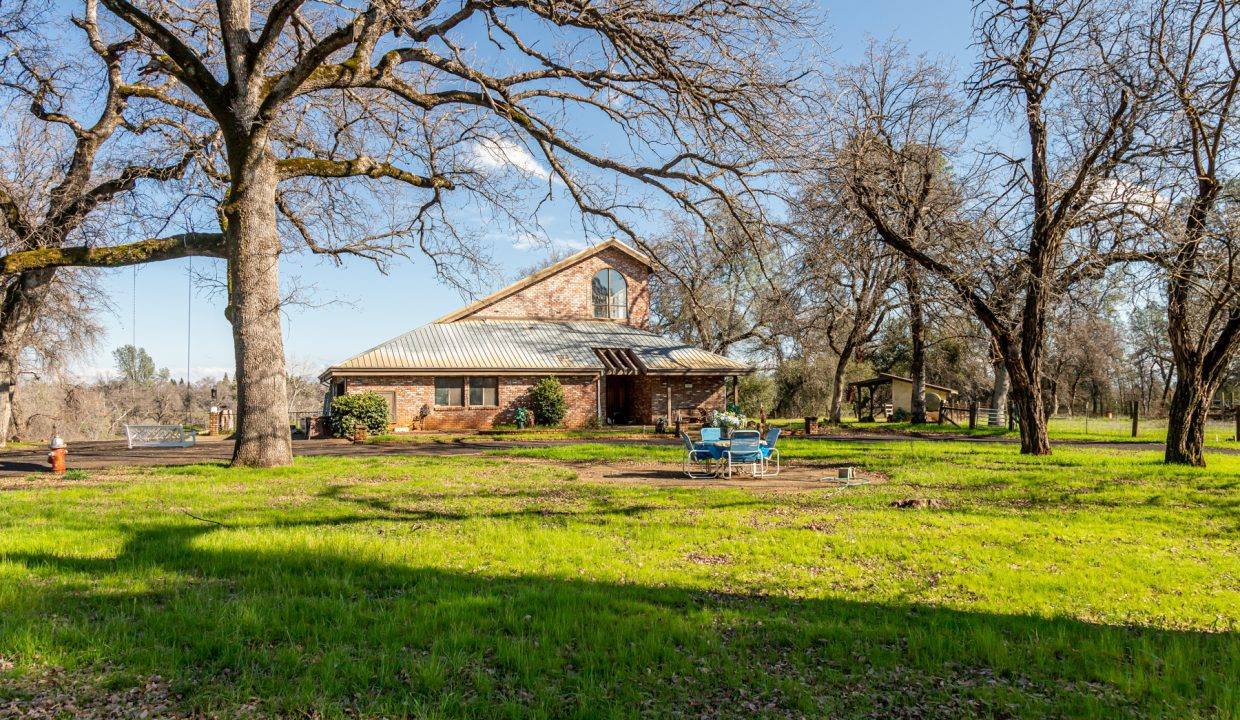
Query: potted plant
[{"x": 725, "y": 421}]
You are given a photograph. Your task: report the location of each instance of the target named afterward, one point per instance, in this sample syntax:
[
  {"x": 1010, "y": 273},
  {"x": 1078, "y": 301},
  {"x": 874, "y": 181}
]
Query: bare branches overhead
[{"x": 462, "y": 105}]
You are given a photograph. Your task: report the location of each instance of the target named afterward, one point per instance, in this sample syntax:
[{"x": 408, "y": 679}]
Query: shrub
[
  {"x": 368, "y": 410},
  {"x": 548, "y": 403},
  {"x": 756, "y": 393},
  {"x": 900, "y": 415}
]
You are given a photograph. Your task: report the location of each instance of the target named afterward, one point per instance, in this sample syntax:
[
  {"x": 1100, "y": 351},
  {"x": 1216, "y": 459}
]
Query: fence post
[
  {"x": 972, "y": 414},
  {"x": 1134, "y": 418}
]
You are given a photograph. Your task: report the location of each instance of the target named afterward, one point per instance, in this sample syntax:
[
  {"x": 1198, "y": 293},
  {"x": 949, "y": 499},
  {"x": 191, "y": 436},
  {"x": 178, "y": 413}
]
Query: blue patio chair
[
  {"x": 770, "y": 451},
  {"x": 696, "y": 455},
  {"x": 711, "y": 434},
  {"x": 746, "y": 448}
]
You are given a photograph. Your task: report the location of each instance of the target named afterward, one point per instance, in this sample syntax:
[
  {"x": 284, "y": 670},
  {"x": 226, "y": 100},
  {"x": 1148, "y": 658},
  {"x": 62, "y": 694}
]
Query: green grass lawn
[{"x": 1092, "y": 583}]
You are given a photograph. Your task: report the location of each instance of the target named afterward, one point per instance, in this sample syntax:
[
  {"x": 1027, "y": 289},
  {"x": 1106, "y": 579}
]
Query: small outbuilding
[{"x": 885, "y": 394}]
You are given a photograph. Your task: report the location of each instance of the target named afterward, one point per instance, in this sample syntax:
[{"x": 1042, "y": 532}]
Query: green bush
[
  {"x": 368, "y": 410},
  {"x": 548, "y": 403}
]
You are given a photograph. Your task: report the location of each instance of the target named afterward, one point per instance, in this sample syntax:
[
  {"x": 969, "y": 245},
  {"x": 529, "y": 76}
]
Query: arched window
[{"x": 610, "y": 294}]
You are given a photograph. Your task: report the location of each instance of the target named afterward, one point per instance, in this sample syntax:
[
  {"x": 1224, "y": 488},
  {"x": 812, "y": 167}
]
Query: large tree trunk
[
  {"x": 1186, "y": 421},
  {"x": 1031, "y": 414},
  {"x": 837, "y": 388},
  {"x": 1026, "y": 390},
  {"x": 999, "y": 390},
  {"x": 8, "y": 385},
  {"x": 262, "y": 435},
  {"x": 19, "y": 304},
  {"x": 917, "y": 336}
]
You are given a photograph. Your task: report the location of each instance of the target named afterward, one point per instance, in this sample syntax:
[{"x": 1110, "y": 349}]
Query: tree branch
[
  {"x": 360, "y": 166},
  {"x": 188, "y": 67},
  {"x": 143, "y": 251}
]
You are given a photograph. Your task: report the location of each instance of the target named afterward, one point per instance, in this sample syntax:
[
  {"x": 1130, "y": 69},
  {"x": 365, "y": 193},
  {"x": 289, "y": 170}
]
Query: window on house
[
  {"x": 484, "y": 391},
  {"x": 390, "y": 396},
  {"x": 610, "y": 294},
  {"x": 450, "y": 391}
]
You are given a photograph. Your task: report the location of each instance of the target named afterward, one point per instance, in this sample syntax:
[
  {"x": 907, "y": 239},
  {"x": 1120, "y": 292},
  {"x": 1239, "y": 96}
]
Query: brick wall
[
  {"x": 699, "y": 393},
  {"x": 412, "y": 392},
  {"x": 566, "y": 294}
]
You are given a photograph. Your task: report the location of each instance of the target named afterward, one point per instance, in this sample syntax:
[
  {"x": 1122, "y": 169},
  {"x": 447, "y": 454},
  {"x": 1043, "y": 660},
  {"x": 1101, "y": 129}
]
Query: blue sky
[{"x": 371, "y": 307}]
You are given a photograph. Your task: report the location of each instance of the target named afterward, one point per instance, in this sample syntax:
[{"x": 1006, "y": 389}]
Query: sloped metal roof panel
[{"x": 533, "y": 345}]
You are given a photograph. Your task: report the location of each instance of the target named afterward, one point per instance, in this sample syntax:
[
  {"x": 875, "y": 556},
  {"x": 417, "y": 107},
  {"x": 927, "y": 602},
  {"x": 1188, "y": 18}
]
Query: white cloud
[
  {"x": 1138, "y": 199},
  {"x": 500, "y": 153},
  {"x": 530, "y": 241}
]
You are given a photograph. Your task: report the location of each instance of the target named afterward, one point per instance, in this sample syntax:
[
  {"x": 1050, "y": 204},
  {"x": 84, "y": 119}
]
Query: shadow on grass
[
  {"x": 394, "y": 511},
  {"x": 332, "y": 633}
]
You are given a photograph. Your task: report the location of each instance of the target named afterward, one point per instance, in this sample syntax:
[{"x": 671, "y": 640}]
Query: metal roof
[
  {"x": 884, "y": 378},
  {"x": 536, "y": 346}
]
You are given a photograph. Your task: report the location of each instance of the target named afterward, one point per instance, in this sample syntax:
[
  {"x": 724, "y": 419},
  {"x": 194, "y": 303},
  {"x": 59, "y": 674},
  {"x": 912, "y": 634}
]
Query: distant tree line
[{"x": 136, "y": 393}]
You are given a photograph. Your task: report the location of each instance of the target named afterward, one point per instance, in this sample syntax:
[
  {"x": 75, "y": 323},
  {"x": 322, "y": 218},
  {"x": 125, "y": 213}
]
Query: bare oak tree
[
  {"x": 1193, "y": 49},
  {"x": 1060, "y": 67},
  {"x": 397, "y": 91},
  {"x": 69, "y": 170},
  {"x": 846, "y": 278},
  {"x": 717, "y": 290}
]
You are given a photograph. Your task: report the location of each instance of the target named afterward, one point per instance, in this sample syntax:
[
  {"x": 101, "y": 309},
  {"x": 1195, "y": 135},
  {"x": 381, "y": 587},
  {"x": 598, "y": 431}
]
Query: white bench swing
[
  {"x": 160, "y": 436},
  {"x": 164, "y": 436}
]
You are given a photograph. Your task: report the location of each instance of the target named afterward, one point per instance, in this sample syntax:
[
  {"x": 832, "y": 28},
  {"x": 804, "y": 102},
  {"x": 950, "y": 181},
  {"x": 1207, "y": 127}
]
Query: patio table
[{"x": 718, "y": 448}]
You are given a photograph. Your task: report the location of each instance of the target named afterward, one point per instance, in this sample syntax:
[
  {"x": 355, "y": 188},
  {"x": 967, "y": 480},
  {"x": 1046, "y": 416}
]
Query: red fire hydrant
[{"x": 58, "y": 455}]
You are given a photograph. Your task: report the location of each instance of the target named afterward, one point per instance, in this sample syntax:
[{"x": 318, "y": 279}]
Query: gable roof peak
[{"x": 609, "y": 244}]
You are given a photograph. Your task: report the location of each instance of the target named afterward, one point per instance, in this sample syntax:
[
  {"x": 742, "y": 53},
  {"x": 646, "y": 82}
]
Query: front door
[{"x": 619, "y": 409}]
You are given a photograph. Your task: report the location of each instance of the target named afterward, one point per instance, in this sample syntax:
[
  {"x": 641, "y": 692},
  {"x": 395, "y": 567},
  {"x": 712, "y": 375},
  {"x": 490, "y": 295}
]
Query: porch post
[
  {"x": 667, "y": 390},
  {"x": 598, "y": 400},
  {"x": 736, "y": 389}
]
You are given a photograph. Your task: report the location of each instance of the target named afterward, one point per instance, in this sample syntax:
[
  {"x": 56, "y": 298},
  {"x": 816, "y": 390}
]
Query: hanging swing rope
[
  {"x": 133, "y": 339},
  {"x": 189, "y": 336},
  {"x": 133, "y": 322},
  {"x": 189, "y": 315}
]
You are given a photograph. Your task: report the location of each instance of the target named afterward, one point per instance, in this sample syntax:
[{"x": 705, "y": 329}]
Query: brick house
[{"x": 583, "y": 320}]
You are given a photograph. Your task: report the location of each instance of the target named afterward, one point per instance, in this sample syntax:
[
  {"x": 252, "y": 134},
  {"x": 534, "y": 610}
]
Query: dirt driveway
[{"x": 95, "y": 455}]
